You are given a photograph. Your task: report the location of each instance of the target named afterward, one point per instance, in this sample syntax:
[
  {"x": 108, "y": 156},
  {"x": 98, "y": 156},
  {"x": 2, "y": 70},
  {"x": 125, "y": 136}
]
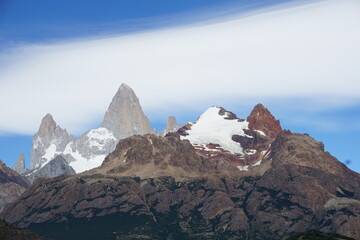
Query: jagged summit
[
  {"x": 171, "y": 126},
  {"x": 47, "y": 126},
  {"x": 19, "y": 166},
  {"x": 48, "y": 142},
  {"x": 261, "y": 119},
  {"x": 124, "y": 116}
]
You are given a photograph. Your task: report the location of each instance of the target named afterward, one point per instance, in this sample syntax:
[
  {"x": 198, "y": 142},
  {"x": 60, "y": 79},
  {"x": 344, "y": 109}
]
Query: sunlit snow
[
  {"x": 83, "y": 164},
  {"x": 99, "y": 137},
  {"x": 243, "y": 168},
  {"x": 50, "y": 154},
  {"x": 214, "y": 128}
]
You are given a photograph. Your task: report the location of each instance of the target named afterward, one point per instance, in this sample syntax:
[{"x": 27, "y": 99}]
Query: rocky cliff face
[
  {"x": 19, "y": 166},
  {"x": 297, "y": 188},
  {"x": 124, "y": 116},
  {"x": 12, "y": 185}
]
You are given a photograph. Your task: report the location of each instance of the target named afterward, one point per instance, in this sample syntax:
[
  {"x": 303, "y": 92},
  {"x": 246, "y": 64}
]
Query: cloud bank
[{"x": 309, "y": 52}]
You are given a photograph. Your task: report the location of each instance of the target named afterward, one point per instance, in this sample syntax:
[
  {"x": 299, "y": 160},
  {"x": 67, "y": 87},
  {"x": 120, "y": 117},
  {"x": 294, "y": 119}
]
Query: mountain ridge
[{"x": 168, "y": 187}]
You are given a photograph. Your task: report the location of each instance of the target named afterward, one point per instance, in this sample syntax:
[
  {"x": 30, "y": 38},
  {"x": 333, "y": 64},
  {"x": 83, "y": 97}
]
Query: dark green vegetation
[
  {"x": 8, "y": 232},
  {"x": 316, "y": 235}
]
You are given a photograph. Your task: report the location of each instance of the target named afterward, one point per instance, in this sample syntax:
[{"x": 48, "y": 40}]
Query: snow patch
[
  {"x": 257, "y": 163},
  {"x": 83, "y": 164},
  {"x": 37, "y": 142},
  {"x": 261, "y": 132},
  {"x": 243, "y": 168},
  {"x": 99, "y": 137},
  {"x": 50, "y": 154}
]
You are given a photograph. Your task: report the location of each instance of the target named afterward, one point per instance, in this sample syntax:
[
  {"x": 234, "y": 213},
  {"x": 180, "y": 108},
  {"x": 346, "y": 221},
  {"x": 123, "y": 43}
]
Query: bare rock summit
[
  {"x": 19, "y": 166},
  {"x": 124, "y": 116},
  {"x": 171, "y": 126},
  {"x": 261, "y": 119}
]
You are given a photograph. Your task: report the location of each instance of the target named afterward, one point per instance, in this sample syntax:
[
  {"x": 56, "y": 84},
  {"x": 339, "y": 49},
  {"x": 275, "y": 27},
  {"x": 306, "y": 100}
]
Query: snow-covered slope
[
  {"x": 90, "y": 150},
  {"x": 213, "y": 128}
]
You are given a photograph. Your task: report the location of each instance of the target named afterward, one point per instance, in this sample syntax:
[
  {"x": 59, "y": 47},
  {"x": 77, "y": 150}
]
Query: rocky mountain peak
[
  {"x": 261, "y": 119},
  {"x": 216, "y": 126},
  {"x": 171, "y": 123},
  {"x": 50, "y": 140},
  {"x": 20, "y": 164},
  {"x": 47, "y": 126},
  {"x": 171, "y": 126},
  {"x": 124, "y": 116}
]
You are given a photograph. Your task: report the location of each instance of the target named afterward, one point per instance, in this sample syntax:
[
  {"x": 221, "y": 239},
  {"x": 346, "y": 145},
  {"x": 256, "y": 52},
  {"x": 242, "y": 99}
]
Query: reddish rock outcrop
[{"x": 261, "y": 119}]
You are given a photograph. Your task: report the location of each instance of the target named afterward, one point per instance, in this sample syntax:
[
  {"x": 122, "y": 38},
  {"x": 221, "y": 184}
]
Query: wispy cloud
[{"x": 306, "y": 52}]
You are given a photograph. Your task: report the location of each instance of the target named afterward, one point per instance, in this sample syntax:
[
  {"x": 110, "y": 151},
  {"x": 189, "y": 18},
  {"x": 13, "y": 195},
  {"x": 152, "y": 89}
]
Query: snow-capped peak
[{"x": 213, "y": 127}]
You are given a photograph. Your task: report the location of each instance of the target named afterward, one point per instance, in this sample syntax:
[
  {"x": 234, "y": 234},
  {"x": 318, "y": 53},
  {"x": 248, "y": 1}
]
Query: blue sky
[
  {"x": 298, "y": 58},
  {"x": 24, "y": 21}
]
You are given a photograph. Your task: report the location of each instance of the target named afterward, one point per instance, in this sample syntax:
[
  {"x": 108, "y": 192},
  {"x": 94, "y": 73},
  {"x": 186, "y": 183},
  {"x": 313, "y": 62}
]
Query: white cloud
[{"x": 307, "y": 52}]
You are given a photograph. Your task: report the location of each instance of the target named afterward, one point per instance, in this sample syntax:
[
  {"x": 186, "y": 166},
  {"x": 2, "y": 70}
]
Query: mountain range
[
  {"x": 123, "y": 118},
  {"x": 221, "y": 177}
]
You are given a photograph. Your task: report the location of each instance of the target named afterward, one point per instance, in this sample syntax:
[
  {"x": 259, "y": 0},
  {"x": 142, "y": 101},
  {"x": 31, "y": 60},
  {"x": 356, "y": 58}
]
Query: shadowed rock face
[
  {"x": 12, "y": 185},
  {"x": 8, "y": 232},
  {"x": 318, "y": 235},
  {"x": 54, "y": 168},
  {"x": 299, "y": 187}
]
